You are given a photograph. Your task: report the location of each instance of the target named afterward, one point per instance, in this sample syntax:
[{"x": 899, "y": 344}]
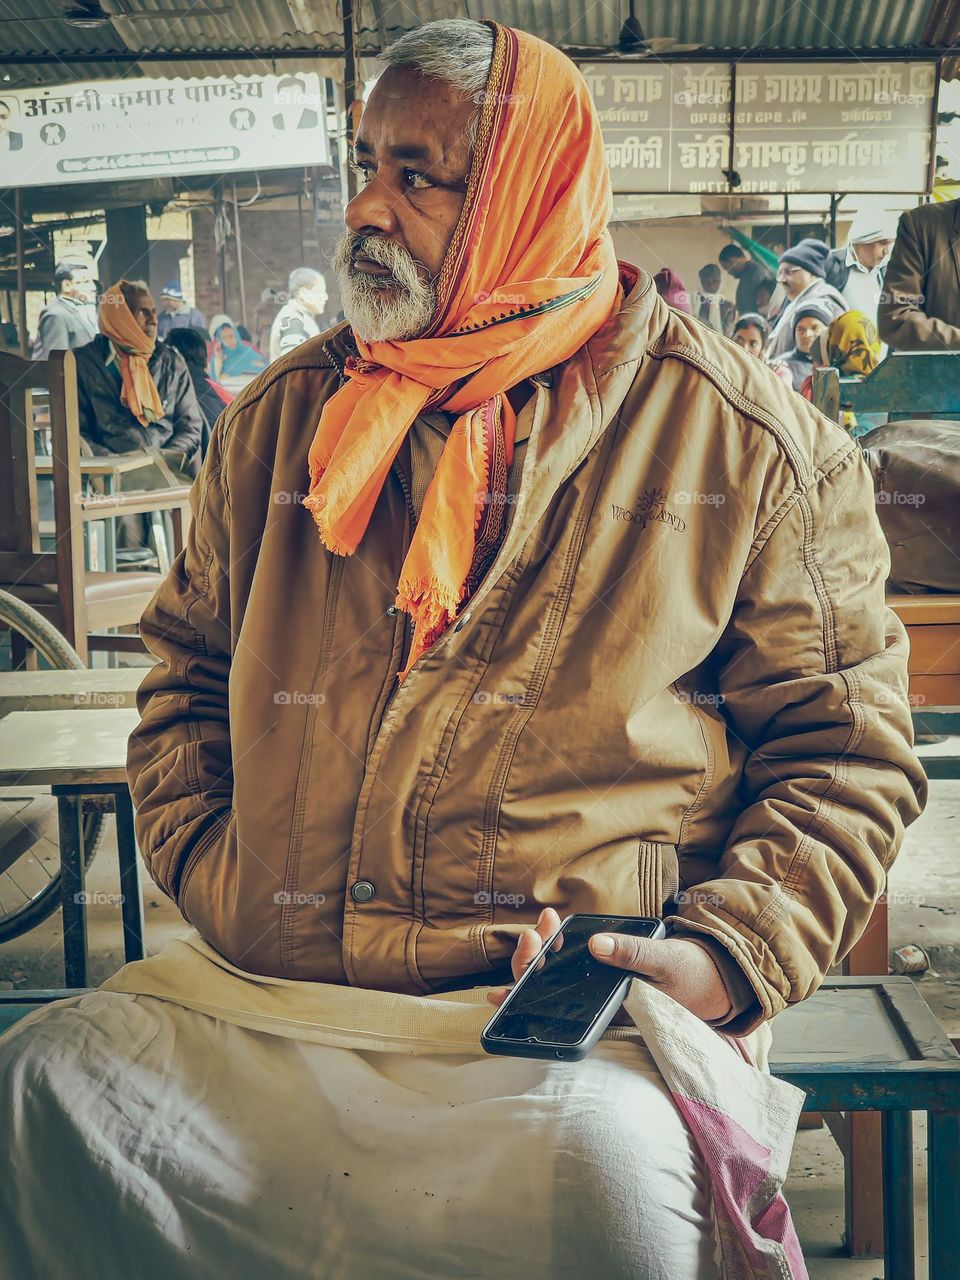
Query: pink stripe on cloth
[
  {"x": 738, "y": 1168},
  {"x": 742, "y": 1121}
]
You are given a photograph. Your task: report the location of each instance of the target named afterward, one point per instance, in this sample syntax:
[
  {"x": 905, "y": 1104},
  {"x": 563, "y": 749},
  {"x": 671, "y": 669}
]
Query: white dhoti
[{"x": 191, "y": 1120}]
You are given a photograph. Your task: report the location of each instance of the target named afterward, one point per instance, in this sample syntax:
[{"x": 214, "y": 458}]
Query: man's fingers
[{"x": 649, "y": 956}]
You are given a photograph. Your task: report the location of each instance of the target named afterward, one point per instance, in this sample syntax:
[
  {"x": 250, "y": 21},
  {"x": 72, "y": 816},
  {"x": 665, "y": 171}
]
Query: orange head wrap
[
  {"x": 138, "y": 391},
  {"x": 528, "y": 278}
]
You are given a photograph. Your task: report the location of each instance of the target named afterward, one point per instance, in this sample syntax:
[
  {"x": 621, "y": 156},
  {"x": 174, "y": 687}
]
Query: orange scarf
[
  {"x": 529, "y": 277},
  {"x": 138, "y": 391}
]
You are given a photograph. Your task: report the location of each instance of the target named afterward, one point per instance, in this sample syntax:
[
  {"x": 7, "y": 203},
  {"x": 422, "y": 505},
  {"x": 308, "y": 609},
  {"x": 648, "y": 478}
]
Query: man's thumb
[{"x": 640, "y": 955}]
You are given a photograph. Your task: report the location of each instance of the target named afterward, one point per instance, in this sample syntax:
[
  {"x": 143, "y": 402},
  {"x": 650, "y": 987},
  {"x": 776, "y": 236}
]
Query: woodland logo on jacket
[{"x": 649, "y": 508}]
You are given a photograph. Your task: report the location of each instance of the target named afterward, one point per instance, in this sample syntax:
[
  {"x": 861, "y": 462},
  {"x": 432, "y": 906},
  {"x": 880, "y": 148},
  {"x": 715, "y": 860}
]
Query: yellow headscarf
[
  {"x": 529, "y": 276},
  {"x": 851, "y": 344}
]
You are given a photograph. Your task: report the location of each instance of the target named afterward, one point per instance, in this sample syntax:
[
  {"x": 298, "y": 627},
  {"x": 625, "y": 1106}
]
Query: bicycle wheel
[{"x": 29, "y": 889}]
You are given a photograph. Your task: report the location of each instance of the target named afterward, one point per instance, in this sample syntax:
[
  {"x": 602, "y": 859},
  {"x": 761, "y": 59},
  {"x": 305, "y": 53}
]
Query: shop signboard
[
  {"x": 813, "y": 127},
  {"x": 161, "y": 128}
]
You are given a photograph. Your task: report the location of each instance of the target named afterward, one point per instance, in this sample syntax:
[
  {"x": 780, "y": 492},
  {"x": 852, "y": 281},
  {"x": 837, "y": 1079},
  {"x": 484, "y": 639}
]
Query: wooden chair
[{"x": 82, "y": 605}]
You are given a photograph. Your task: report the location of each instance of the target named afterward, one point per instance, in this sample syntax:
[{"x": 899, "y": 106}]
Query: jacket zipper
[{"x": 407, "y": 624}]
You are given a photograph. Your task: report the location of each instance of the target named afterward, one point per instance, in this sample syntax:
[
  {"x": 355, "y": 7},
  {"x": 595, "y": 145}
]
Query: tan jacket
[
  {"x": 678, "y": 676},
  {"x": 920, "y": 303}
]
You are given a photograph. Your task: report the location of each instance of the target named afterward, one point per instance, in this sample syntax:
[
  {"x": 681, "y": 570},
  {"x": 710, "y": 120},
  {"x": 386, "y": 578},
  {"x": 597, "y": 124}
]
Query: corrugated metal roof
[{"x": 37, "y": 49}]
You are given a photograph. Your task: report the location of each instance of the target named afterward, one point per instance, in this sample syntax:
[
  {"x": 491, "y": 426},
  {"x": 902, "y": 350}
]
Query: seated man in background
[
  {"x": 582, "y": 611},
  {"x": 920, "y": 307},
  {"x": 133, "y": 391}
]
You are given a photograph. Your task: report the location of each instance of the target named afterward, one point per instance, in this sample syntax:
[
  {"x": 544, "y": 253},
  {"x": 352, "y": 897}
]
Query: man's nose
[{"x": 371, "y": 209}]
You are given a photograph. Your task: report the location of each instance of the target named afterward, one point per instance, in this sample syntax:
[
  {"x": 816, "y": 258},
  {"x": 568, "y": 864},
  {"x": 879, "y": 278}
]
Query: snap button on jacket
[{"x": 677, "y": 690}]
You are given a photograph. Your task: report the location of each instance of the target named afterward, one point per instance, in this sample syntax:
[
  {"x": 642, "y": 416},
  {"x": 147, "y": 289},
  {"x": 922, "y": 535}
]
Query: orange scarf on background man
[
  {"x": 138, "y": 390},
  {"x": 529, "y": 277}
]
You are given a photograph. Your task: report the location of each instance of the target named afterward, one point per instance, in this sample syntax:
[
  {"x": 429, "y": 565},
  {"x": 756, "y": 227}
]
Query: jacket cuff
[{"x": 747, "y": 1011}]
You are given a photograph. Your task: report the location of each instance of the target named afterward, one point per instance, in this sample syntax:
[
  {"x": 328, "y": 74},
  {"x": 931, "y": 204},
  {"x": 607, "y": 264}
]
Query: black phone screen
[{"x": 561, "y": 999}]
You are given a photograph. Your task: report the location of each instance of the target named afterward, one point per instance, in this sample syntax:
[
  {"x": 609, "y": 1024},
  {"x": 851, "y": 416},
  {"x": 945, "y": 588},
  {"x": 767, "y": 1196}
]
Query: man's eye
[
  {"x": 414, "y": 178},
  {"x": 360, "y": 167}
]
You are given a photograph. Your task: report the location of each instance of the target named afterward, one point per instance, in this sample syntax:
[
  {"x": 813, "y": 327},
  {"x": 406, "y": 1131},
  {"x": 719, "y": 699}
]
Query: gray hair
[
  {"x": 456, "y": 50},
  {"x": 301, "y": 278}
]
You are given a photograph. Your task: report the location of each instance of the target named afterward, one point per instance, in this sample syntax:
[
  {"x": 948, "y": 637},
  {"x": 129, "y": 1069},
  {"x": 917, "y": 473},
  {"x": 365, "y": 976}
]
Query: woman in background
[
  {"x": 231, "y": 356},
  {"x": 751, "y": 332}
]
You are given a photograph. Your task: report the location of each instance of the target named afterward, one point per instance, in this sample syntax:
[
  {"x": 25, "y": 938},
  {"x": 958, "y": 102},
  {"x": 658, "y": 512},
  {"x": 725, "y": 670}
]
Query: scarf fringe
[
  {"x": 430, "y": 602},
  {"x": 317, "y": 507}
]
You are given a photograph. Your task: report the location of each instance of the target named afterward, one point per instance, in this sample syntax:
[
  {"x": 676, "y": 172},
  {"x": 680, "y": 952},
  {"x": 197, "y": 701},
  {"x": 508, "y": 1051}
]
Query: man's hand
[{"x": 683, "y": 969}]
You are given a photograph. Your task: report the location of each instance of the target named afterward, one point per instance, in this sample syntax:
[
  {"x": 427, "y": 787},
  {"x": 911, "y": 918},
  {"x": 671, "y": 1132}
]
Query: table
[
  {"x": 69, "y": 690},
  {"x": 77, "y": 754},
  {"x": 873, "y": 1044}
]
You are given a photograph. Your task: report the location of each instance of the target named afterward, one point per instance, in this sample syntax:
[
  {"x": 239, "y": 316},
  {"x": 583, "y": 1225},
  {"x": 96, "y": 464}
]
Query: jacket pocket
[
  {"x": 658, "y": 876},
  {"x": 195, "y": 857}
]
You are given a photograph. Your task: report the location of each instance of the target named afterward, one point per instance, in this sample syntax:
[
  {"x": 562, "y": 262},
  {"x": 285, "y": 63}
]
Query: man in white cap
[{"x": 858, "y": 270}]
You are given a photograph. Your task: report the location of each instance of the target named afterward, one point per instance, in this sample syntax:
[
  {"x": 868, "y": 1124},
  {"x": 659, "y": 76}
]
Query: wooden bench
[{"x": 78, "y": 754}]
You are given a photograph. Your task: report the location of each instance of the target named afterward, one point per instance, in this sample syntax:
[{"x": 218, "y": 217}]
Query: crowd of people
[{"x": 842, "y": 307}]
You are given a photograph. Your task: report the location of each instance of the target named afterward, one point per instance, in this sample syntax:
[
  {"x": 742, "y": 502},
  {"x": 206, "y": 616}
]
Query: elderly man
[
  {"x": 133, "y": 391},
  {"x": 920, "y": 310},
  {"x": 582, "y": 611},
  {"x": 802, "y": 273},
  {"x": 296, "y": 321}
]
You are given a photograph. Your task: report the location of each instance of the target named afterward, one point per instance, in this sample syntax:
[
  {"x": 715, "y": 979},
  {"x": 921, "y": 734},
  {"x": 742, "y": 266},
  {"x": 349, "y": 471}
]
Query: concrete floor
[{"x": 924, "y": 889}]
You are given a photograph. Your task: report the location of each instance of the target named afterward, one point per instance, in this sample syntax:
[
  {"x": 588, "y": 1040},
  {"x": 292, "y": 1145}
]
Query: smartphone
[{"x": 565, "y": 1000}]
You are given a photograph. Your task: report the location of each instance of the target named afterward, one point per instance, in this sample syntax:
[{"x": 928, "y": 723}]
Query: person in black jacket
[
  {"x": 106, "y": 422},
  {"x": 211, "y": 397}
]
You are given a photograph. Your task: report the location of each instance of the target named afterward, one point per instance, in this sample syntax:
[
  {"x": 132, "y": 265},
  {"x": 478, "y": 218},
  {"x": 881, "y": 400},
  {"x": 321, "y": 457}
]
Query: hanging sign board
[
  {"x": 161, "y": 128},
  {"x": 817, "y": 127}
]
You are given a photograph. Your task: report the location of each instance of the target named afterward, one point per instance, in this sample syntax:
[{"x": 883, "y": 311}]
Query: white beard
[{"x": 380, "y": 308}]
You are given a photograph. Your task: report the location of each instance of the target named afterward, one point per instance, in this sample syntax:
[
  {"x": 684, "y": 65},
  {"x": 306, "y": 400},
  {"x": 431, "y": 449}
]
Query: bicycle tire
[{"x": 51, "y": 644}]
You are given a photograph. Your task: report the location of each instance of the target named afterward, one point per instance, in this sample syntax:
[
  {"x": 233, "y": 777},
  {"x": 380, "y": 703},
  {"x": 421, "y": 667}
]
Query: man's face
[
  {"x": 736, "y": 266},
  {"x": 144, "y": 311},
  {"x": 794, "y": 279},
  {"x": 168, "y": 303},
  {"x": 710, "y": 280},
  {"x": 413, "y": 153},
  {"x": 314, "y": 298},
  {"x": 80, "y": 287},
  {"x": 750, "y": 338},
  {"x": 806, "y": 333},
  {"x": 871, "y": 255}
]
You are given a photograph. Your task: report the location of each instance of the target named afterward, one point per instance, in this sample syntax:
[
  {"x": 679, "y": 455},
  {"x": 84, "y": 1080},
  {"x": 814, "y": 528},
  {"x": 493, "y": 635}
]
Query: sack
[{"x": 916, "y": 477}]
